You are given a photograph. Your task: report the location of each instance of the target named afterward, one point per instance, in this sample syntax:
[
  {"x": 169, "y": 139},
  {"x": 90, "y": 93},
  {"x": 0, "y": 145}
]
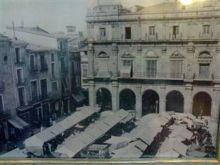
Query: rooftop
[{"x": 34, "y": 30}]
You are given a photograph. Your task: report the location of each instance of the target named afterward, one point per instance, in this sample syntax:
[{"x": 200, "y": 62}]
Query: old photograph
[{"x": 109, "y": 79}]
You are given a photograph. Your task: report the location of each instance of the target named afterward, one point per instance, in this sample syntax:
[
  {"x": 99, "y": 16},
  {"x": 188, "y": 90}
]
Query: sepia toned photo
[{"x": 109, "y": 79}]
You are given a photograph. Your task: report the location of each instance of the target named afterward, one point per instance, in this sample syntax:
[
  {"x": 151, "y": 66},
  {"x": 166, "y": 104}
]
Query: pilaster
[
  {"x": 138, "y": 101},
  {"x": 215, "y": 102},
  {"x": 115, "y": 96},
  {"x": 188, "y": 98},
  {"x": 162, "y": 99},
  {"x": 91, "y": 57},
  {"x": 114, "y": 60},
  {"x": 92, "y": 94}
]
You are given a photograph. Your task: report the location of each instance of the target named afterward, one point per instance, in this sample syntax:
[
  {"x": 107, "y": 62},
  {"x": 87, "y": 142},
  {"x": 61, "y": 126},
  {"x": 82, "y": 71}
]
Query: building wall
[
  {"x": 192, "y": 45},
  {"x": 46, "y": 40},
  {"x": 6, "y": 72}
]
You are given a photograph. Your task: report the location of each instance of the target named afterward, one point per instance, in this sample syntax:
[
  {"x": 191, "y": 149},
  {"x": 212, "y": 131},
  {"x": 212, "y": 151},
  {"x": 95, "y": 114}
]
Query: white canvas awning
[
  {"x": 129, "y": 151},
  {"x": 173, "y": 146},
  {"x": 16, "y": 153},
  {"x": 116, "y": 139},
  {"x": 35, "y": 143},
  {"x": 168, "y": 154},
  {"x": 91, "y": 134},
  {"x": 179, "y": 131},
  {"x": 18, "y": 123}
]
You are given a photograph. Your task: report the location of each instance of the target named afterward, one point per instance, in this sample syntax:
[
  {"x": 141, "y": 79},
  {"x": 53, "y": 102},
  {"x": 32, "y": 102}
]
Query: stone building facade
[
  {"x": 160, "y": 58},
  {"x": 36, "y": 81}
]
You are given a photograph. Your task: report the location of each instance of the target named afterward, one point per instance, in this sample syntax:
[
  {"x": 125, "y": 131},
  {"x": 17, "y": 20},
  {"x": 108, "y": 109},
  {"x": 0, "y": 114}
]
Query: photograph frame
[{"x": 116, "y": 161}]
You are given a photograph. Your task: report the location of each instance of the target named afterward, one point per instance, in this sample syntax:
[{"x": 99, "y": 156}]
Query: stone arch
[
  {"x": 202, "y": 103},
  {"x": 127, "y": 99},
  {"x": 175, "y": 101},
  {"x": 151, "y": 53},
  {"x": 150, "y": 102},
  {"x": 176, "y": 54},
  {"x": 104, "y": 99},
  {"x": 102, "y": 54}
]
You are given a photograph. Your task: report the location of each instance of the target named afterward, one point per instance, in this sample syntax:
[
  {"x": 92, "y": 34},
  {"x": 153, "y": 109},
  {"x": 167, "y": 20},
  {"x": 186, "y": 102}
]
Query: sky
[{"x": 52, "y": 15}]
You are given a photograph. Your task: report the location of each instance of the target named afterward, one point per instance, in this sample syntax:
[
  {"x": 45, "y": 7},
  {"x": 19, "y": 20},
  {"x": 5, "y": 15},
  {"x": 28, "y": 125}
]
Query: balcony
[
  {"x": 34, "y": 69},
  {"x": 53, "y": 78},
  {"x": 20, "y": 62},
  {"x": 152, "y": 37},
  {"x": 176, "y": 36},
  {"x": 102, "y": 38},
  {"x": 54, "y": 95},
  {"x": 206, "y": 36},
  {"x": 203, "y": 77},
  {"x": 44, "y": 96},
  {"x": 33, "y": 100},
  {"x": 2, "y": 86},
  {"x": 4, "y": 116},
  {"x": 21, "y": 82},
  {"x": 44, "y": 68},
  {"x": 166, "y": 76},
  {"x": 157, "y": 76}
]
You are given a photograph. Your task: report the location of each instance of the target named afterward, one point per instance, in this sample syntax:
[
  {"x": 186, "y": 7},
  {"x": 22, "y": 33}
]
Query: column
[
  {"x": 5, "y": 126},
  {"x": 69, "y": 106},
  {"x": 92, "y": 94},
  {"x": 115, "y": 96},
  {"x": 91, "y": 52},
  {"x": 188, "y": 100},
  {"x": 114, "y": 60},
  {"x": 138, "y": 101},
  {"x": 138, "y": 62},
  {"x": 216, "y": 64},
  {"x": 190, "y": 69},
  {"x": 215, "y": 103},
  {"x": 61, "y": 107},
  {"x": 162, "y": 99}
]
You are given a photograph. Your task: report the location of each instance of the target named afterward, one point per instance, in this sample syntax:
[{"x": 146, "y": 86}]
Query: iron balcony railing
[
  {"x": 34, "y": 69},
  {"x": 19, "y": 62},
  {"x": 44, "y": 68},
  {"x": 158, "y": 75},
  {"x": 204, "y": 76},
  {"x": 4, "y": 115},
  {"x": 2, "y": 86},
  {"x": 21, "y": 82},
  {"x": 155, "y": 37}
]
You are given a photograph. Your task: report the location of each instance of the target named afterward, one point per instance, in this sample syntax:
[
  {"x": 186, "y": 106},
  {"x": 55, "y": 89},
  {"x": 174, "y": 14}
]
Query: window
[
  {"x": 5, "y": 59},
  {"x": 52, "y": 57},
  {"x": 204, "y": 70},
  {"x": 176, "y": 68},
  {"x": 32, "y": 62},
  {"x": 84, "y": 70},
  {"x": 175, "y": 30},
  {"x": 21, "y": 96},
  {"x": 1, "y": 104},
  {"x": 206, "y": 29},
  {"x": 19, "y": 75},
  {"x": 102, "y": 32},
  {"x": 43, "y": 63},
  {"x": 128, "y": 33},
  {"x": 17, "y": 54},
  {"x": 54, "y": 86},
  {"x": 151, "y": 68},
  {"x": 44, "y": 88},
  {"x": 53, "y": 69},
  {"x": 127, "y": 62},
  {"x": 61, "y": 46},
  {"x": 34, "y": 93},
  {"x": 152, "y": 30}
]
